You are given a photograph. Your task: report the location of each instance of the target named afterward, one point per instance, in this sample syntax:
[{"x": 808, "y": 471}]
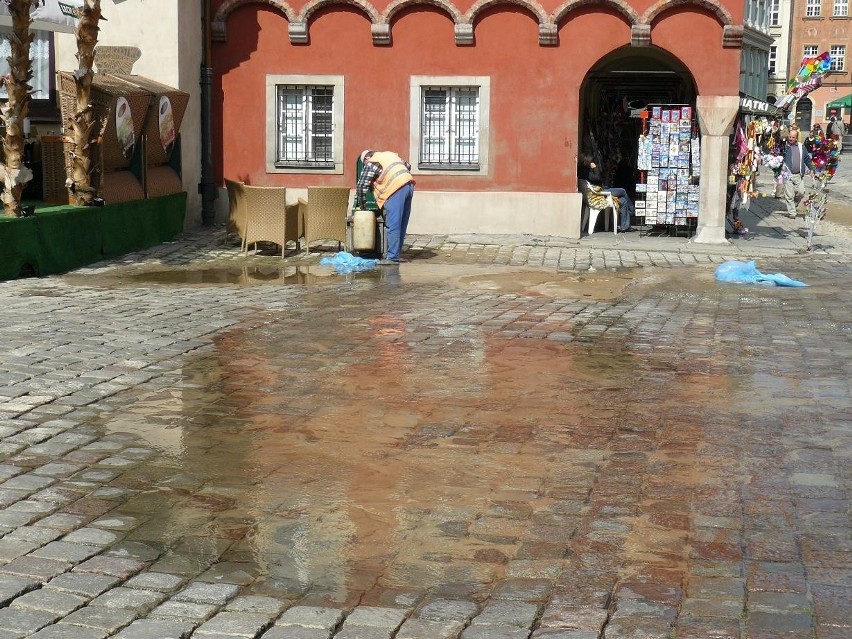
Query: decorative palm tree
[
  {"x": 13, "y": 173},
  {"x": 84, "y": 125}
]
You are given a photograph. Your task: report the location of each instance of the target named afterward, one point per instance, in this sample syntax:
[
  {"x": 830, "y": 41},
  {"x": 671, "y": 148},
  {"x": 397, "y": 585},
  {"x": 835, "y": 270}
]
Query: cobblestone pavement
[{"x": 197, "y": 443}]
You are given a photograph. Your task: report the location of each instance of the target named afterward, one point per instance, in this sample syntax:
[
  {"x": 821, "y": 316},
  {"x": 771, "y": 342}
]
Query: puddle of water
[
  {"x": 603, "y": 285},
  {"x": 400, "y": 445},
  {"x": 404, "y": 470},
  {"x": 338, "y": 458},
  {"x": 234, "y": 275},
  {"x": 839, "y": 212}
]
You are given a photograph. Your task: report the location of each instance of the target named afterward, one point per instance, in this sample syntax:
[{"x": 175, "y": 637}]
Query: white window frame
[
  {"x": 272, "y": 84},
  {"x": 775, "y": 13},
  {"x": 763, "y": 15},
  {"x": 841, "y": 8},
  {"x": 417, "y": 84},
  {"x": 838, "y": 57},
  {"x": 772, "y": 60},
  {"x": 813, "y": 8},
  {"x": 810, "y": 51}
]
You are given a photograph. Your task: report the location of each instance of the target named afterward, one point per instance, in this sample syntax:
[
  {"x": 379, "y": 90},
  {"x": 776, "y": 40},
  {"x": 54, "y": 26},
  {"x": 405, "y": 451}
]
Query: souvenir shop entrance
[
  {"x": 616, "y": 98},
  {"x": 757, "y": 140}
]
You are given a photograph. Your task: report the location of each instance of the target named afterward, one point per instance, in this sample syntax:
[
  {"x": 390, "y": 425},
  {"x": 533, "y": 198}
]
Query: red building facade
[
  {"x": 822, "y": 26},
  {"x": 491, "y": 101}
]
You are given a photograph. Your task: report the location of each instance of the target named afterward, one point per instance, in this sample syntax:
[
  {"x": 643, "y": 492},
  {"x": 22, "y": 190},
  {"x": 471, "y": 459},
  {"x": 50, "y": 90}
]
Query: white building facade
[{"x": 780, "y": 20}]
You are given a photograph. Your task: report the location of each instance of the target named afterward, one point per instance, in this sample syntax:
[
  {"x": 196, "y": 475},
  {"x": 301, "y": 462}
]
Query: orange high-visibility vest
[{"x": 393, "y": 177}]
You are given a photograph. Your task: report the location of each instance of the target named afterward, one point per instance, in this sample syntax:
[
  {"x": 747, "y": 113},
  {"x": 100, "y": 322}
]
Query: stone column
[{"x": 716, "y": 115}]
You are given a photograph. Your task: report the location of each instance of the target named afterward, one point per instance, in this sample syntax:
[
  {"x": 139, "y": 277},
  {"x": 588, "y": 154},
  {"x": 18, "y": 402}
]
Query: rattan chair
[
  {"x": 268, "y": 218},
  {"x": 324, "y": 214},
  {"x": 236, "y": 211}
]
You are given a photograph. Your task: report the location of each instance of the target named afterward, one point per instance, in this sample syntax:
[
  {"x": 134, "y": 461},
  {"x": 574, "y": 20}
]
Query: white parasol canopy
[{"x": 52, "y": 15}]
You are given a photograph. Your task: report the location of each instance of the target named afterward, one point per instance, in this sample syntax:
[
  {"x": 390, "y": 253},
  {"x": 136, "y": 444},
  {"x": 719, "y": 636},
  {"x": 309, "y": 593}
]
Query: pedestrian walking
[
  {"x": 390, "y": 179},
  {"x": 797, "y": 161},
  {"x": 836, "y": 130},
  {"x": 815, "y": 134}
]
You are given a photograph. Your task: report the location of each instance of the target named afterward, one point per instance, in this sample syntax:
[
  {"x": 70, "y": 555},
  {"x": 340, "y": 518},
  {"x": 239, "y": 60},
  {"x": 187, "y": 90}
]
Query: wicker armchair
[
  {"x": 236, "y": 211},
  {"x": 324, "y": 214},
  {"x": 268, "y": 218}
]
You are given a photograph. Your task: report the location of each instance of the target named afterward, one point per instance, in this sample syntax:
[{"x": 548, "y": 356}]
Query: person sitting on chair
[{"x": 588, "y": 170}]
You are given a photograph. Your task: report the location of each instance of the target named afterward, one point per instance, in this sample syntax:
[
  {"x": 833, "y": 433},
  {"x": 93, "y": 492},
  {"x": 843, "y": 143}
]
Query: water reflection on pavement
[{"x": 580, "y": 442}]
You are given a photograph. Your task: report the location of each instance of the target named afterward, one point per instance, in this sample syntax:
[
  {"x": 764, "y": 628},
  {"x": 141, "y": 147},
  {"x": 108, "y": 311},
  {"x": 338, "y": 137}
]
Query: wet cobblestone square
[{"x": 438, "y": 451}]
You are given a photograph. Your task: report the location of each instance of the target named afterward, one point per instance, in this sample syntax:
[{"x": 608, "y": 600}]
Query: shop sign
[{"x": 753, "y": 105}]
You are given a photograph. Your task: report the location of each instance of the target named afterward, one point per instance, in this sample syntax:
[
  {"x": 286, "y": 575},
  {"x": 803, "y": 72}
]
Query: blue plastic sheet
[
  {"x": 747, "y": 273},
  {"x": 344, "y": 262}
]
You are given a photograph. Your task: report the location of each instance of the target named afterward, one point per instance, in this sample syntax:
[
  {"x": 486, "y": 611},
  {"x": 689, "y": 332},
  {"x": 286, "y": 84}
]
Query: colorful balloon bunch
[
  {"x": 825, "y": 156},
  {"x": 808, "y": 78},
  {"x": 811, "y": 67}
]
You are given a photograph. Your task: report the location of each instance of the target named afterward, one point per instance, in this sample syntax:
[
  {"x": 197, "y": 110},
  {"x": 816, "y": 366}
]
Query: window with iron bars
[
  {"x": 449, "y": 128},
  {"x": 812, "y": 8},
  {"x": 305, "y": 126}
]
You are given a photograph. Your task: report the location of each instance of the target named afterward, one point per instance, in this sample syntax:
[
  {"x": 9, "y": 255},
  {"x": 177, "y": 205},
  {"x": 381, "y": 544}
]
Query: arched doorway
[
  {"x": 804, "y": 114},
  {"x": 612, "y": 97}
]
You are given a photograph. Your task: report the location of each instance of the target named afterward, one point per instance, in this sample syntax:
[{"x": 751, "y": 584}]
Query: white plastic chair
[{"x": 593, "y": 214}]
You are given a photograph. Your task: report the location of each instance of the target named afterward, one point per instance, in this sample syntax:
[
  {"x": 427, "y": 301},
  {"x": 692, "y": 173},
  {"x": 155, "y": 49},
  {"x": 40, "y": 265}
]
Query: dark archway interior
[
  {"x": 804, "y": 114},
  {"x": 612, "y": 96}
]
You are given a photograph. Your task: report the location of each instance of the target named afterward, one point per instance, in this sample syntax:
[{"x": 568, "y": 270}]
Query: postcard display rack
[{"x": 669, "y": 166}]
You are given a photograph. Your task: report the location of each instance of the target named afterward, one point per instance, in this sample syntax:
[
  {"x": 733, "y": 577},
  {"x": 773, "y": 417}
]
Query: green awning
[{"x": 845, "y": 103}]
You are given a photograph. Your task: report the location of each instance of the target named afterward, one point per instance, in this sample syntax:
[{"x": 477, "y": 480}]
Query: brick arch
[
  {"x": 398, "y": 5},
  {"x": 227, "y": 8},
  {"x": 664, "y": 5},
  {"x": 530, "y": 5},
  {"x": 315, "y": 5},
  {"x": 620, "y": 6}
]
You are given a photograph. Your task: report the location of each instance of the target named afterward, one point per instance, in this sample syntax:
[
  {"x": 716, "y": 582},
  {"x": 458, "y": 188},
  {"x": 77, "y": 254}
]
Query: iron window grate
[
  {"x": 449, "y": 128},
  {"x": 305, "y": 127}
]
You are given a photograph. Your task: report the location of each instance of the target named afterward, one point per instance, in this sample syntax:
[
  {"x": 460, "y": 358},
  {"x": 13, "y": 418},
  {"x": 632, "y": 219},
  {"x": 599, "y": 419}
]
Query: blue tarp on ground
[
  {"x": 344, "y": 262},
  {"x": 747, "y": 273}
]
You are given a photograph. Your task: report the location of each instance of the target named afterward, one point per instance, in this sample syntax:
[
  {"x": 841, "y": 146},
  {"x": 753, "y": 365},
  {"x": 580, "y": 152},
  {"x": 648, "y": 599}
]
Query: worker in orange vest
[{"x": 390, "y": 179}]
